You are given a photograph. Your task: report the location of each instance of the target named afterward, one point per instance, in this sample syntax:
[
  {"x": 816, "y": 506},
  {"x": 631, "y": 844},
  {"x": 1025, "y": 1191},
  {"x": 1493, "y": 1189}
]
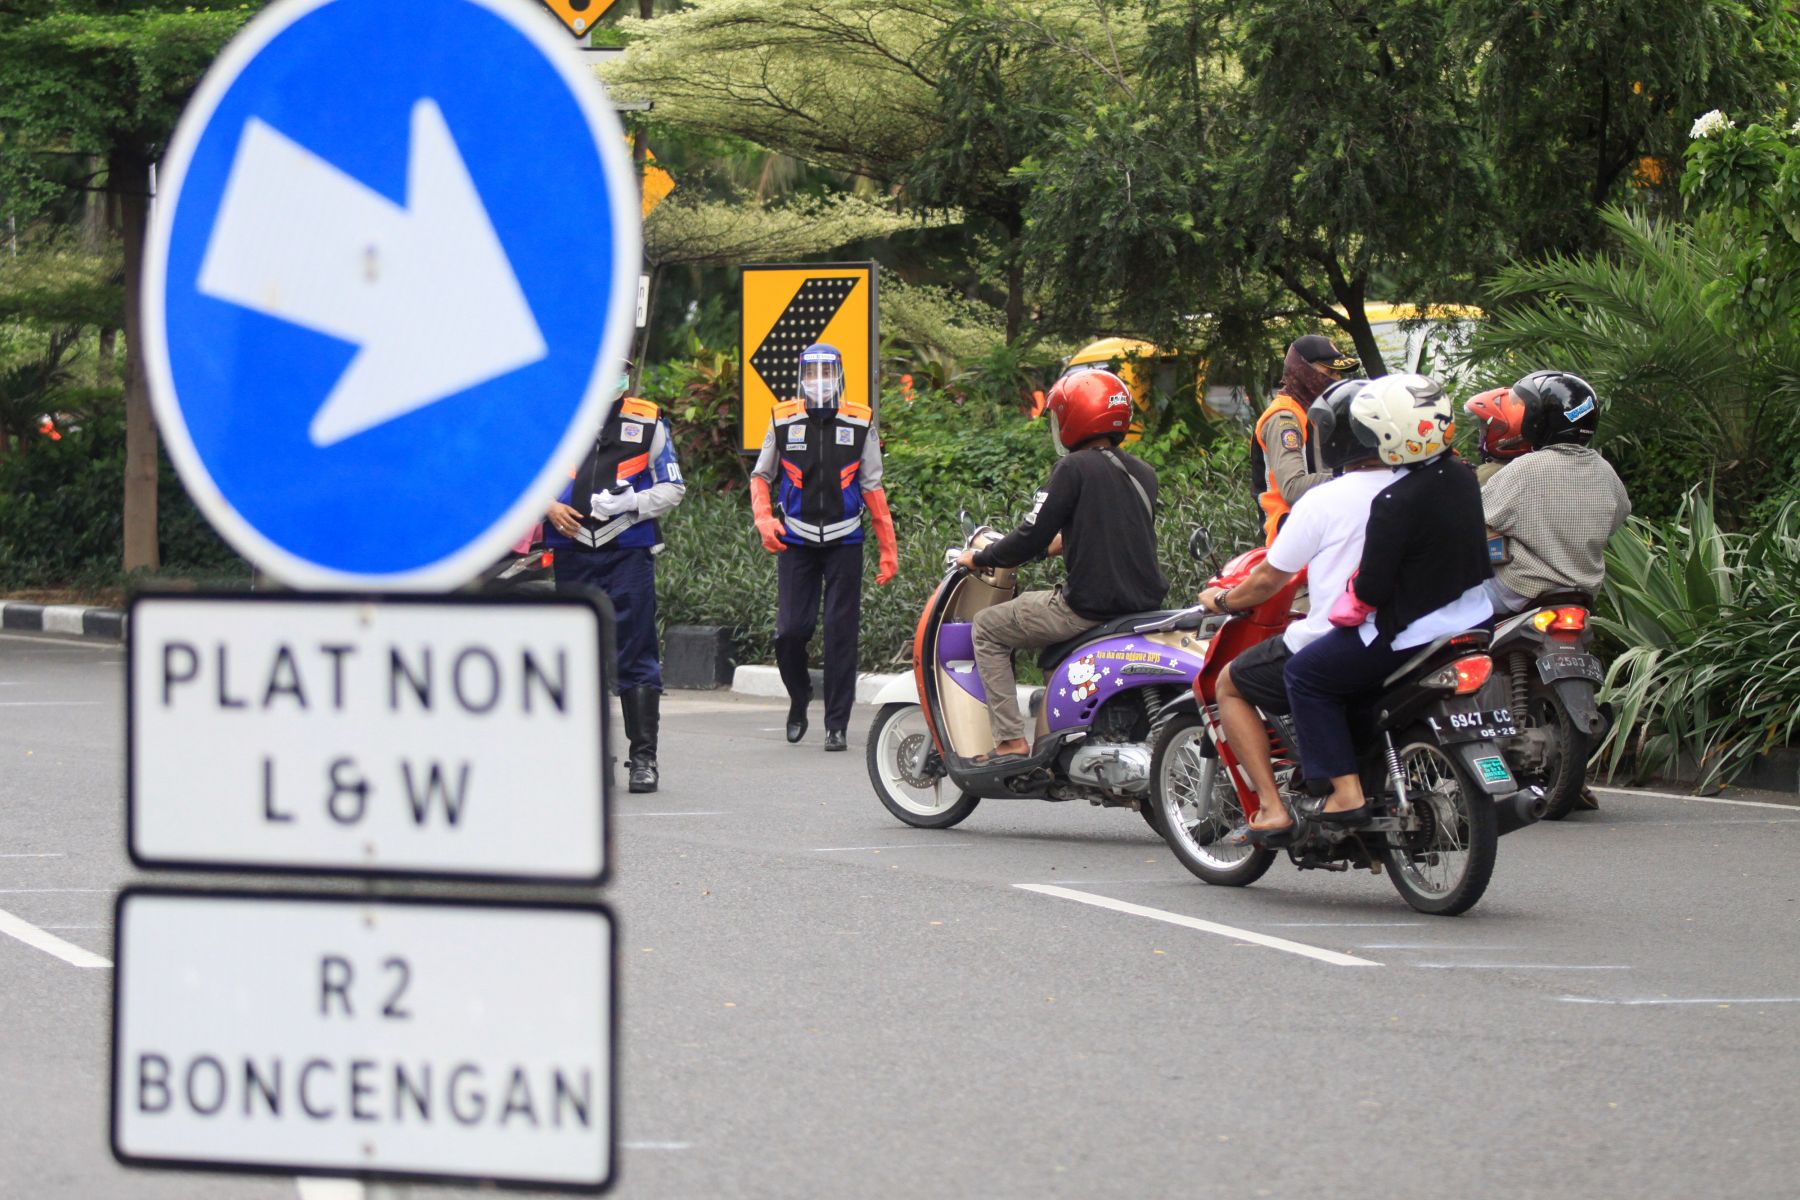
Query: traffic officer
[
  {"x": 1281, "y": 463},
  {"x": 823, "y": 456},
  {"x": 603, "y": 528}
]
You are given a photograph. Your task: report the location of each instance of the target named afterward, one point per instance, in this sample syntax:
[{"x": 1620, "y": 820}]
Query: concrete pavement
[{"x": 819, "y": 1001}]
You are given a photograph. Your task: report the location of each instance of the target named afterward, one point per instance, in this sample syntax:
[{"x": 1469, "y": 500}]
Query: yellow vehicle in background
[{"x": 1428, "y": 340}]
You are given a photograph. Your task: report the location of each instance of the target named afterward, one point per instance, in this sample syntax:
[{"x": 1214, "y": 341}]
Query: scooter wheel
[{"x": 897, "y": 740}]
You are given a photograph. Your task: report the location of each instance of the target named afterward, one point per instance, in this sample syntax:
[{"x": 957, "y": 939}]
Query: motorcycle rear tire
[
  {"x": 909, "y": 809},
  {"x": 1478, "y": 834},
  {"x": 1562, "y": 786}
]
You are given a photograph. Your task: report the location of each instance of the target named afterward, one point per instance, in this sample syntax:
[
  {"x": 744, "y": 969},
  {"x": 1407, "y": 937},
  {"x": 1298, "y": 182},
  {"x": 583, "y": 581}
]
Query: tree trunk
[
  {"x": 1015, "y": 289},
  {"x": 128, "y": 177},
  {"x": 103, "y": 362}
]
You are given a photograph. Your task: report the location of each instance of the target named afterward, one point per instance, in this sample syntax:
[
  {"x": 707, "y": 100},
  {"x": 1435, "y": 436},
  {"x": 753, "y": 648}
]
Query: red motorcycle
[{"x": 1438, "y": 782}]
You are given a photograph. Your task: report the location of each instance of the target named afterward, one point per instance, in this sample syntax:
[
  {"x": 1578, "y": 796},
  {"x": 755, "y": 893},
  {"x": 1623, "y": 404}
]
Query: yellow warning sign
[
  {"x": 657, "y": 183},
  {"x": 787, "y": 308},
  {"x": 579, "y": 15}
]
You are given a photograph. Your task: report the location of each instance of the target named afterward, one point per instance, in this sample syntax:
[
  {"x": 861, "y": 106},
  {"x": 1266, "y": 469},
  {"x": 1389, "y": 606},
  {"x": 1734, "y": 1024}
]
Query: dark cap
[{"x": 1317, "y": 348}]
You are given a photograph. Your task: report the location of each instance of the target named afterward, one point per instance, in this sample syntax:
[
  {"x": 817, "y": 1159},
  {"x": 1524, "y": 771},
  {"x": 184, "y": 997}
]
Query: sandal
[{"x": 1249, "y": 835}]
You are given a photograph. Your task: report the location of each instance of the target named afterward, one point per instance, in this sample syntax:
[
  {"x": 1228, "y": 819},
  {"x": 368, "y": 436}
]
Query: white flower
[
  {"x": 1795, "y": 129},
  {"x": 1710, "y": 123}
]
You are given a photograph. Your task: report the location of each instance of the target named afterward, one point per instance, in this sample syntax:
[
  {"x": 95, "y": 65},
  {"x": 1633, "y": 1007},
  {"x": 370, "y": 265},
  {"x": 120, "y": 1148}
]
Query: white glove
[{"x": 612, "y": 504}]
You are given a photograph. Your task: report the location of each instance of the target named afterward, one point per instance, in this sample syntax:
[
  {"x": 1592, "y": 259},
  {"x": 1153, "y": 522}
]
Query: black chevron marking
[{"x": 777, "y": 360}]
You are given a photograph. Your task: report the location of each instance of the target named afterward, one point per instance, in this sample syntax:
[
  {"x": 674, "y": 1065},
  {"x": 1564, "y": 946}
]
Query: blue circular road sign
[{"x": 389, "y": 282}]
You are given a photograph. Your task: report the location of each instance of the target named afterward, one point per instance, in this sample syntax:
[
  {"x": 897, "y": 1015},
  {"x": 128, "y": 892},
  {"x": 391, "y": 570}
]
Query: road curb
[{"x": 63, "y": 620}]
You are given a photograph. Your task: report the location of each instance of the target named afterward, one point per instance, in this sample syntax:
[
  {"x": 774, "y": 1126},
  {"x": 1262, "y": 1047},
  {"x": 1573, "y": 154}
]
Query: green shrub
[{"x": 1709, "y": 623}]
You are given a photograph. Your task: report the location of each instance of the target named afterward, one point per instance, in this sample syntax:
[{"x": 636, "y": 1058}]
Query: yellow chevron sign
[
  {"x": 789, "y": 307},
  {"x": 579, "y": 15}
]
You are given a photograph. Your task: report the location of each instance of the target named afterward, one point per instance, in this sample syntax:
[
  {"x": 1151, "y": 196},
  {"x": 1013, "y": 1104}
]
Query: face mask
[{"x": 819, "y": 391}]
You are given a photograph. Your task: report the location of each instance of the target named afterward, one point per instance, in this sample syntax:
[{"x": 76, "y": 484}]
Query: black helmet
[
  {"x": 1560, "y": 409},
  {"x": 1334, "y": 439}
]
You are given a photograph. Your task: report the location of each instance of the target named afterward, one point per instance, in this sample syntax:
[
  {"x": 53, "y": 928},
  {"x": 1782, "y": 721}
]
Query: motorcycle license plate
[
  {"x": 1475, "y": 725},
  {"x": 1569, "y": 665}
]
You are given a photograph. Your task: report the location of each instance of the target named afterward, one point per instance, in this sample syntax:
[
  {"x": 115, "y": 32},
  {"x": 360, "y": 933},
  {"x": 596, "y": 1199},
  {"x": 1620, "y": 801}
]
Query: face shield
[
  {"x": 821, "y": 377},
  {"x": 1056, "y": 435}
]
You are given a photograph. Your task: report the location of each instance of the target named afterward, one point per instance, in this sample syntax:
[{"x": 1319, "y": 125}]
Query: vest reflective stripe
[
  {"x": 613, "y": 462},
  {"x": 823, "y": 533},
  {"x": 593, "y": 539},
  {"x": 1273, "y": 506}
]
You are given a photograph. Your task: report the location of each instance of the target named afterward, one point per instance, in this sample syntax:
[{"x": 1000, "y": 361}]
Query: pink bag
[
  {"x": 1347, "y": 611},
  {"x": 524, "y": 544}
]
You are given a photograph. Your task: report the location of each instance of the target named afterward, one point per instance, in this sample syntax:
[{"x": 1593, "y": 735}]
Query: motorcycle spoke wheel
[
  {"x": 1443, "y": 868},
  {"x": 1198, "y": 805}
]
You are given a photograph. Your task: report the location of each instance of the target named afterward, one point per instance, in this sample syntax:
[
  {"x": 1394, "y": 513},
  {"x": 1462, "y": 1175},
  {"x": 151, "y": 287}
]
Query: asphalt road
[{"x": 819, "y": 1001}]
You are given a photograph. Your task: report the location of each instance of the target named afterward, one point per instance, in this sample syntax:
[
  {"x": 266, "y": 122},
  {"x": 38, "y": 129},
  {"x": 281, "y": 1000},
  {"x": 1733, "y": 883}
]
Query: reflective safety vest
[
  {"x": 620, "y": 457},
  {"x": 820, "y": 498},
  {"x": 1262, "y": 473}
]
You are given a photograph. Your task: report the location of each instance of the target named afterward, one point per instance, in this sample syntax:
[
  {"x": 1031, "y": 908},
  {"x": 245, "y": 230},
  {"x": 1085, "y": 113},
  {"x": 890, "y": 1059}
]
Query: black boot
[{"x": 642, "y": 708}]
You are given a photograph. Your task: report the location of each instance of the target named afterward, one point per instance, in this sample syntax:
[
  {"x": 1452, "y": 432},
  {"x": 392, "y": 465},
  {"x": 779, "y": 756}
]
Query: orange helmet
[
  {"x": 1089, "y": 404},
  {"x": 1501, "y": 419}
]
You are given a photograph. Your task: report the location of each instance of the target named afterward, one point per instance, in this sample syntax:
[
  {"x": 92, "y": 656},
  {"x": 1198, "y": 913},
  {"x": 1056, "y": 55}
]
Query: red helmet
[
  {"x": 1501, "y": 419},
  {"x": 1089, "y": 404}
]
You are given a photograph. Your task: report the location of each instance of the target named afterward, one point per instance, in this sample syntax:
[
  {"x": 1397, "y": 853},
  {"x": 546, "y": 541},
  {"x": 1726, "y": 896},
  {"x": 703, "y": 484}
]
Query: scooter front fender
[{"x": 901, "y": 689}]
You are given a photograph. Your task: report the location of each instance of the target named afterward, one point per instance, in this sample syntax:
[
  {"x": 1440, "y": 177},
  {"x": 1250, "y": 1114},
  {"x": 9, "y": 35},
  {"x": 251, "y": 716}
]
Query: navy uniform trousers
[
  {"x": 802, "y": 572},
  {"x": 628, "y": 577}
]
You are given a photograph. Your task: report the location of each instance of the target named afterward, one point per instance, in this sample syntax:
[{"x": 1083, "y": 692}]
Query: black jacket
[
  {"x": 1109, "y": 538},
  {"x": 1426, "y": 544}
]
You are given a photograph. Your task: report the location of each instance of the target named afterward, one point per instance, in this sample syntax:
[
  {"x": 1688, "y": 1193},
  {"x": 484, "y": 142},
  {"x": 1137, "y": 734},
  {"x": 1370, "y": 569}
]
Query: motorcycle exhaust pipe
[{"x": 1524, "y": 807}]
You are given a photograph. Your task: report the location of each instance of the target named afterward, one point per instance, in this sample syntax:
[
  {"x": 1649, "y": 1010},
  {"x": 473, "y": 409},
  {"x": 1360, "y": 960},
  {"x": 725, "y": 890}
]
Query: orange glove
[
  {"x": 767, "y": 525},
  {"x": 888, "y": 565}
]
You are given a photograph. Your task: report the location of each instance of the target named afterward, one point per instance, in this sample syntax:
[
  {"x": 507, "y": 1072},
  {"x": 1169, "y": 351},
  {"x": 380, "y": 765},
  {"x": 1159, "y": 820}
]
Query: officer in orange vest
[
  {"x": 1281, "y": 465},
  {"x": 819, "y": 471}
]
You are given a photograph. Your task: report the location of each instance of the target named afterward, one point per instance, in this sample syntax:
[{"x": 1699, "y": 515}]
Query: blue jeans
[
  {"x": 628, "y": 577},
  {"x": 1324, "y": 683}
]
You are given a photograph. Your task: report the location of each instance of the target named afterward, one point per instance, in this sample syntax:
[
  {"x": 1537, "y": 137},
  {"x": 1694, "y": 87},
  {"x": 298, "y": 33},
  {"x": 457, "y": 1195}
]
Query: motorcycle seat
[
  {"x": 1451, "y": 645},
  {"x": 1050, "y": 656},
  {"x": 1569, "y": 596}
]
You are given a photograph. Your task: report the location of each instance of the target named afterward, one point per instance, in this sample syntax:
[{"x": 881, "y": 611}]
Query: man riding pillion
[
  {"x": 1281, "y": 466},
  {"x": 1324, "y": 536},
  {"x": 824, "y": 455},
  {"x": 1557, "y": 502},
  {"x": 603, "y": 529},
  {"x": 1097, "y": 511}
]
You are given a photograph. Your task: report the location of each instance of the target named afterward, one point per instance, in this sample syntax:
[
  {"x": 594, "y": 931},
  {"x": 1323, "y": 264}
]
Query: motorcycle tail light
[
  {"x": 1572, "y": 620},
  {"x": 546, "y": 558},
  {"x": 1472, "y": 672}
]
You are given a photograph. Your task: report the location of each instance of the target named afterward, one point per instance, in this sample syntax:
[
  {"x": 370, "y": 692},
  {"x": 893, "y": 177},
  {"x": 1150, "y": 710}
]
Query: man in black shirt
[{"x": 1097, "y": 511}]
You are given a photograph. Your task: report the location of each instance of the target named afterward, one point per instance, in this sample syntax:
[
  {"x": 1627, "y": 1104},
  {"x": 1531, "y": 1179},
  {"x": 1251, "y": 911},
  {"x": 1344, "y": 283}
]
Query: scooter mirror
[
  {"x": 968, "y": 525},
  {"x": 1200, "y": 544}
]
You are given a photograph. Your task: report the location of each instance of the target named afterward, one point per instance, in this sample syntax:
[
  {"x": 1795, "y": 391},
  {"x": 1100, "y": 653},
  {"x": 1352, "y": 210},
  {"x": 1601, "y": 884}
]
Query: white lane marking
[
  {"x": 1696, "y": 799},
  {"x": 51, "y": 703},
  {"x": 330, "y": 1189},
  {"x": 49, "y": 943},
  {"x": 1242, "y": 935},
  {"x": 1664, "y": 1000},
  {"x": 920, "y": 845},
  {"x": 72, "y": 926},
  {"x": 655, "y": 1145},
  {"x": 1516, "y": 967},
  {"x": 58, "y": 854}
]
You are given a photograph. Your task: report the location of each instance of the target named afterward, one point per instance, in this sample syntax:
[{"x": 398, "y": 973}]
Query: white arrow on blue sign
[{"x": 373, "y": 347}]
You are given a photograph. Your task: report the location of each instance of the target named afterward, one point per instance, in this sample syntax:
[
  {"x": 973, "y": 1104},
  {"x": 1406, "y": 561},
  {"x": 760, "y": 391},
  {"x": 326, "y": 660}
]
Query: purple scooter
[{"x": 1094, "y": 722}]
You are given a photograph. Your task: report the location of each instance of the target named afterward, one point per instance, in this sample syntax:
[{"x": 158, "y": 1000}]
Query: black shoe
[
  {"x": 642, "y": 709},
  {"x": 834, "y": 740},
  {"x": 796, "y": 726}
]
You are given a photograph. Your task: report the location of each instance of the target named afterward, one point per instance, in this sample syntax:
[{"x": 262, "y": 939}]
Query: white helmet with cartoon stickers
[{"x": 1405, "y": 419}]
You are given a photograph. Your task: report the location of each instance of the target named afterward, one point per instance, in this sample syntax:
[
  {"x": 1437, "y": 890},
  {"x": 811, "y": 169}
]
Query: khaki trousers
[{"x": 1031, "y": 622}]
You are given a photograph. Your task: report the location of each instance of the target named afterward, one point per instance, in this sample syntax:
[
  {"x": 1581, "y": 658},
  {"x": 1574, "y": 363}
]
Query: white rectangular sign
[
  {"x": 407, "y": 735},
  {"x": 348, "y": 1036}
]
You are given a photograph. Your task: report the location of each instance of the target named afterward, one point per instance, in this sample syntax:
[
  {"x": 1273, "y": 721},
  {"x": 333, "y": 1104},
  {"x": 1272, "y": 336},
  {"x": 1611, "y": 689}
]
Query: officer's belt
[
  {"x": 808, "y": 532},
  {"x": 593, "y": 539}
]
